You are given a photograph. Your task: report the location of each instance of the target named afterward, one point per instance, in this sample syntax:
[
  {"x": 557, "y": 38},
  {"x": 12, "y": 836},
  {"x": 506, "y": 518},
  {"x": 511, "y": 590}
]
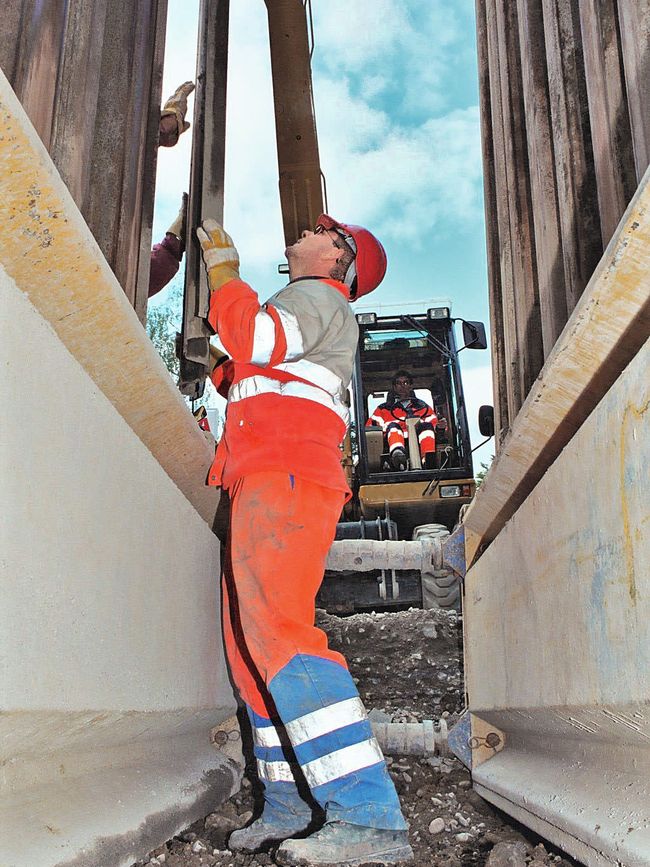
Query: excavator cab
[
  {"x": 431, "y": 490},
  {"x": 426, "y": 497}
]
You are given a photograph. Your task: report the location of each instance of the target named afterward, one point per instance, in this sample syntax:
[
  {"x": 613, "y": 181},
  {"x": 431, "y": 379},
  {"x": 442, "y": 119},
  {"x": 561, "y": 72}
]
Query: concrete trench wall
[
  {"x": 557, "y": 600},
  {"x": 112, "y": 665},
  {"x": 557, "y": 621}
]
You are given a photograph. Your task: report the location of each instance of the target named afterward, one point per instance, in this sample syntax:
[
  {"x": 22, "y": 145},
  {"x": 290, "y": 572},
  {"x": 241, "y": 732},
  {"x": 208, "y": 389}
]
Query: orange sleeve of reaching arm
[
  {"x": 249, "y": 331},
  {"x": 233, "y": 308}
]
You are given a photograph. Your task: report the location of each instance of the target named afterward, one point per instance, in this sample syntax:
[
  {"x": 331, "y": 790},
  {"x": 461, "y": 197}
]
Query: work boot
[
  {"x": 398, "y": 459},
  {"x": 261, "y": 833},
  {"x": 341, "y": 843}
]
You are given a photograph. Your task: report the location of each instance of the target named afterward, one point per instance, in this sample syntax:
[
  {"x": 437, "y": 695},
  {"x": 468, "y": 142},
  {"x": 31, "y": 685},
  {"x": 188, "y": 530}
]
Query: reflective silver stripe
[
  {"x": 292, "y": 333},
  {"x": 313, "y": 725},
  {"x": 316, "y": 373},
  {"x": 253, "y": 386},
  {"x": 266, "y": 737},
  {"x": 263, "y": 338},
  {"x": 275, "y": 771},
  {"x": 427, "y": 433},
  {"x": 342, "y": 762},
  {"x": 325, "y": 720}
]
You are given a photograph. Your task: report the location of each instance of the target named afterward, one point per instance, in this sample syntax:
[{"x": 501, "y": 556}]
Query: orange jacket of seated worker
[{"x": 391, "y": 417}]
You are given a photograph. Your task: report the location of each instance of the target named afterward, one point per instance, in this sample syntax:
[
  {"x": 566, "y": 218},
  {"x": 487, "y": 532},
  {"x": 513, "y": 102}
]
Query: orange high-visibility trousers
[
  {"x": 281, "y": 529},
  {"x": 296, "y": 689},
  {"x": 397, "y": 434}
]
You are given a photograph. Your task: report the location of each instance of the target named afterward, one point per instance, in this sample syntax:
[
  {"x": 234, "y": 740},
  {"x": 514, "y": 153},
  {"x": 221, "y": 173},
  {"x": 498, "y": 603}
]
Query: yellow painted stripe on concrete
[
  {"x": 611, "y": 319},
  {"x": 49, "y": 251}
]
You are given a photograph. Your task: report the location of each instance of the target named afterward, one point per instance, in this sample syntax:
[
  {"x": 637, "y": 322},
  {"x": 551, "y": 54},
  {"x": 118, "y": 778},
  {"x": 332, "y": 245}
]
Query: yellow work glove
[
  {"x": 178, "y": 225},
  {"x": 176, "y": 105},
  {"x": 219, "y": 254}
]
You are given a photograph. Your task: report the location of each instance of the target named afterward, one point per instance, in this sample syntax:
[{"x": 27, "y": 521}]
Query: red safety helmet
[{"x": 369, "y": 265}]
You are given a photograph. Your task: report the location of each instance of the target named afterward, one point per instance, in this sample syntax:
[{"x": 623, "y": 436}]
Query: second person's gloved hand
[
  {"x": 219, "y": 254},
  {"x": 176, "y": 106},
  {"x": 178, "y": 226}
]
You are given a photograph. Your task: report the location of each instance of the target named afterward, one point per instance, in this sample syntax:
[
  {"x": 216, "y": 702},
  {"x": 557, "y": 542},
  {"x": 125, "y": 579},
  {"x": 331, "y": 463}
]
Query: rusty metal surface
[
  {"x": 89, "y": 76},
  {"x": 565, "y": 102},
  {"x": 607, "y": 328},
  {"x": 206, "y": 186},
  {"x": 301, "y": 195}
]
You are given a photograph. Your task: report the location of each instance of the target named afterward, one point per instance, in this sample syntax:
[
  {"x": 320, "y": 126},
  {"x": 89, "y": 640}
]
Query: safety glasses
[{"x": 351, "y": 273}]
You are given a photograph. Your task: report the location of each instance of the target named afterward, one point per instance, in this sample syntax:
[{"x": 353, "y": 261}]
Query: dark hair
[
  {"x": 343, "y": 262},
  {"x": 402, "y": 374}
]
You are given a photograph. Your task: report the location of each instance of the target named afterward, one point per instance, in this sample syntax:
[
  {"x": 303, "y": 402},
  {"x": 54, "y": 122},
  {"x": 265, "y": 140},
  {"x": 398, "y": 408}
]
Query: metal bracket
[
  {"x": 475, "y": 741},
  {"x": 453, "y": 552}
]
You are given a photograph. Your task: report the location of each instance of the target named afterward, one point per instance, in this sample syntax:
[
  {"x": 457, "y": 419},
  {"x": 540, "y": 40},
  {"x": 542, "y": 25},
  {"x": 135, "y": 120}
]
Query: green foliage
[
  {"x": 482, "y": 472},
  {"x": 163, "y": 322}
]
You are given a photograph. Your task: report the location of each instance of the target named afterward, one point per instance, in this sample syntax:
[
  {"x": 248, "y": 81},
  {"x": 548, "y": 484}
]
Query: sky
[{"x": 396, "y": 100}]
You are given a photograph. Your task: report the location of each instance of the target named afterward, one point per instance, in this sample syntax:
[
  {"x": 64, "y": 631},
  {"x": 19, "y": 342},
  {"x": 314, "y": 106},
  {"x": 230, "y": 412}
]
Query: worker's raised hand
[
  {"x": 178, "y": 226},
  {"x": 175, "y": 109},
  {"x": 219, "y": 254}
]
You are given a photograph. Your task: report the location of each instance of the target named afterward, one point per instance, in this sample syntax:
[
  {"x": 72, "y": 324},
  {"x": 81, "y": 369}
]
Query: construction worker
[
  {"x": 287, "y": 376},
  {"x": 400, "y": 405},
  {"x": 166, "y": 256}
]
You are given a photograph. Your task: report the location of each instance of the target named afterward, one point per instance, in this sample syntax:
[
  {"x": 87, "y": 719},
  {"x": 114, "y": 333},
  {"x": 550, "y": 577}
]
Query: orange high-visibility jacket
[
  {"x": 292, "y": 362},
  {"x": 392, "y": 411}
]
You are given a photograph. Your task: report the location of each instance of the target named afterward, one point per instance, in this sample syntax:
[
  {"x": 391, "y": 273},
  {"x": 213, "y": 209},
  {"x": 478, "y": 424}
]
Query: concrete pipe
[
  {"x": 365, "y": 555},
  {"x": 412, "y": 739}
]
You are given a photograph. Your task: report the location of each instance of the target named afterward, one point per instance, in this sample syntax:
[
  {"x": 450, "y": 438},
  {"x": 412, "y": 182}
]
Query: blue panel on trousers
[
  {"x": 342, "y": 763},
  {"x": 336, "y": 740},
  {"x": 310, "y": 682}
]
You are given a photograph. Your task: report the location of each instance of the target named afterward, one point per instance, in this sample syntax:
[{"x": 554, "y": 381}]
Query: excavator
[
  {"x": 420, "y": 501},
  {"x": 113, "y": 672},
  {"x": 425, "y": 499}
]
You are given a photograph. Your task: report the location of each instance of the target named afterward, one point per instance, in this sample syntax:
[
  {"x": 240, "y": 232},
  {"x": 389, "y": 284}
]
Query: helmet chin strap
[{"x": 351, "y": 273}]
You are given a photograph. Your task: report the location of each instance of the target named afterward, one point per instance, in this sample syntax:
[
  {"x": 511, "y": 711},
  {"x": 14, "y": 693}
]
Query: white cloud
[
  {"x": 403, "y": 176},
  {"x": 252, "y": 207},
  {"x": 173, "y": 168},
  {"x": 402, "y": 180},
  {"x": 416, "y": 39}
]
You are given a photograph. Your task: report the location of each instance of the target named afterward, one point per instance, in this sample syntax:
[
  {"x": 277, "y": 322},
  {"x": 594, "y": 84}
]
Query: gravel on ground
[{"x": 408, "y": 667}]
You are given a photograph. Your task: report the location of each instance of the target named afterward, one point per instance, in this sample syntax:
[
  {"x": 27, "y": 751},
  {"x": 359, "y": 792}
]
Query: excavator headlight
[
  {"x": 450, "y": 490},
  {"x": 438, "y": 312},
  {"x": 366, "y": 318}
]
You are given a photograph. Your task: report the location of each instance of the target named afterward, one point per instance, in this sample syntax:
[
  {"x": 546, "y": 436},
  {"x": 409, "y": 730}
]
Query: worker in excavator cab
[
  {"x": 391, "y": 416},
  {"x": 286, "y": 375}
]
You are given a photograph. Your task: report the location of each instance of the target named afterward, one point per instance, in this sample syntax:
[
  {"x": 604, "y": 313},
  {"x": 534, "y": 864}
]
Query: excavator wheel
[{"x": 440, "y": 587}]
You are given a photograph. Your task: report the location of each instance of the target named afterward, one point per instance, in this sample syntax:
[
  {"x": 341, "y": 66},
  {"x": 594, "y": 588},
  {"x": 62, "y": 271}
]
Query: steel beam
[
  {"x": 48, "y": 250},
  {"x": 89, "y": 75},
  {"x": 301, "y": 195},
  {"x": 206, "y": 187},
  {"x": 608, "y": 326}
]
